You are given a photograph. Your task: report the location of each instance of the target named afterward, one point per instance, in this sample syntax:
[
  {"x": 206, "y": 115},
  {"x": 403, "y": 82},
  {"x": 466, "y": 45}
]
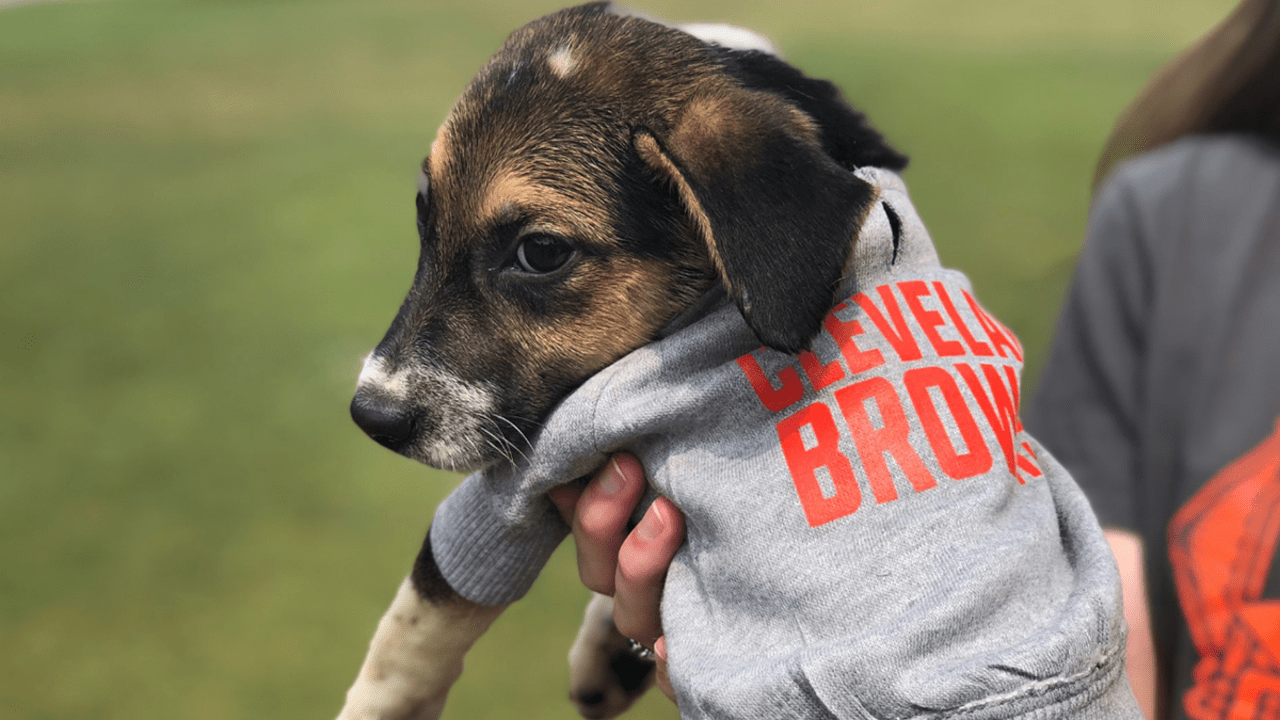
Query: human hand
[{"x": 629, "y": 566}]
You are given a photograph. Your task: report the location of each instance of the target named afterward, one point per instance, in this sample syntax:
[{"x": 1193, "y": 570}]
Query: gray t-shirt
[
  {"x": 1163, "y": 375},
  {"x": 870, "y": 533}
]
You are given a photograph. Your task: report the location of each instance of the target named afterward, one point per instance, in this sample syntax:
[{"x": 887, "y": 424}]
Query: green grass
[{"x": 205, "y": 223}]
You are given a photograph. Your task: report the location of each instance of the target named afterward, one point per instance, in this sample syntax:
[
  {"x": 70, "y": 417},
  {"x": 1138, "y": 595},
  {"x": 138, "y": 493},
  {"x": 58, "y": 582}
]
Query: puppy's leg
[
  {"x": 417, "y": 651},
  {"x": 605, "y": 677}
]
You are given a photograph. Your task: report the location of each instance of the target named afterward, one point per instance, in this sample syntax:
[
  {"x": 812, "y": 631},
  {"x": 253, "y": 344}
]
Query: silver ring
[{"x": 641, "y": 651}]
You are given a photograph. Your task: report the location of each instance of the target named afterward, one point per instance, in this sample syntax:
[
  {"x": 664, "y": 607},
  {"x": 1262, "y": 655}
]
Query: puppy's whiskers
[
  {"x": 501, "y": 445},
  {"x": 525, "y": 438}
]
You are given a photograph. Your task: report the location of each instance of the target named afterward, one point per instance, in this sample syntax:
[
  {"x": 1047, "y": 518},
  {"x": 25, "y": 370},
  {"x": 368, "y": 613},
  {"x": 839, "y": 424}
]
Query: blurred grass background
[{"x": 205, "y": 221}]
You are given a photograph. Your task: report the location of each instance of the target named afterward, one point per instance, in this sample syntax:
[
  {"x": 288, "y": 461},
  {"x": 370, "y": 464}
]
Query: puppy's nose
[{"x": 385, "y": 420}]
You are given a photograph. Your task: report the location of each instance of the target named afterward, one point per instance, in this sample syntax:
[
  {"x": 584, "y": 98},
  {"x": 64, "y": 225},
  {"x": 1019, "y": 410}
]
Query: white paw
[{"x": 605, "y": 677}]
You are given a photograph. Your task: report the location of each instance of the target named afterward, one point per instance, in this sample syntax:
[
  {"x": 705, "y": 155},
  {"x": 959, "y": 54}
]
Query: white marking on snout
[
  {"x": 424, "y": 181},
  {"x": 465, "y": 435},
  {"x": 374, "y": 376},
  {"x": 467, "y": 429},
  {"x": 562, "y": 62}
]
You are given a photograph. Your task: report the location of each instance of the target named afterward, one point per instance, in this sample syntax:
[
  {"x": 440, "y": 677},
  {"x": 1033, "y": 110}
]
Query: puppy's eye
[{"x": 541, "y": 254}]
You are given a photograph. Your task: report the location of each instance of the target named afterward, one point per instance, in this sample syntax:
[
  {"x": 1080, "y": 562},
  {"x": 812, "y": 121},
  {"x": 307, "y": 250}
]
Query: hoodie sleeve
[
  {"x": 491, "y": 546},
  {"x": 495, "y": 532}
]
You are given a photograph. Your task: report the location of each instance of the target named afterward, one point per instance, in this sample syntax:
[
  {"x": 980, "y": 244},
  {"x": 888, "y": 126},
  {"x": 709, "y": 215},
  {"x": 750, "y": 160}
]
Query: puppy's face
[{"x": 588, "y": 186}]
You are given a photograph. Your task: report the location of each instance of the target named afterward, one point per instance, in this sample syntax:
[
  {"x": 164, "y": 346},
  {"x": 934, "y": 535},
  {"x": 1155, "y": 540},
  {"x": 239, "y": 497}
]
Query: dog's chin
[{"x": 460, "y": 455}]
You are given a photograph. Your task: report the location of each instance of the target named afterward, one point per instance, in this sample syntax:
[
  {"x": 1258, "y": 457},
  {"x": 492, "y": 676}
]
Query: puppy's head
[{"x": 600, "y": 174}]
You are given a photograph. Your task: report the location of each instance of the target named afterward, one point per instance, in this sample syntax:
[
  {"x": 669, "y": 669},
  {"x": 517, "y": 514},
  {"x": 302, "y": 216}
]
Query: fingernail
[
  {"x": 652, "y": 524},
  {"x": 611, "y": 480},
  {"x": 660, "y": 648}
]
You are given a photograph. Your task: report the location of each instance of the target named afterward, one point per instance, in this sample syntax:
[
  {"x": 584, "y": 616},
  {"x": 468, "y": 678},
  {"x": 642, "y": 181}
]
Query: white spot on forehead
[{"x": 562, "y": 62}]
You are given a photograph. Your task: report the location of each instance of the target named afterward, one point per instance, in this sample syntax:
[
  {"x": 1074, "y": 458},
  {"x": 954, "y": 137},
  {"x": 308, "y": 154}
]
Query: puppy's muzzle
[{"x": 384, "y": 419}]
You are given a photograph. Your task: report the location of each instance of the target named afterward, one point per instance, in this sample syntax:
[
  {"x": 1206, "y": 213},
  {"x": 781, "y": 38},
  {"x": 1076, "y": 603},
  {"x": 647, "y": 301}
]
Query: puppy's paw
[{"x": 605, "y": 677}]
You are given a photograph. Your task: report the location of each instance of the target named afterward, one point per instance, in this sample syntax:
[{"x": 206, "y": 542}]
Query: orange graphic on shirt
[{"x": 1222, "y": 543}]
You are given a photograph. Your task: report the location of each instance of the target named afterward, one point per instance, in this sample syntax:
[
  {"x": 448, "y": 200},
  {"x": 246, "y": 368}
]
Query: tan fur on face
[
  {"x": 510, "y": 196},
  {"x": 623, "y": 297},
  {"x": 439, "y": 156}
]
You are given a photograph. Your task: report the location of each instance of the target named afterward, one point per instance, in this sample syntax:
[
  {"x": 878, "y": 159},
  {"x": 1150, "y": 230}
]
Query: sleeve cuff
[{"x": 485, "y": 557}]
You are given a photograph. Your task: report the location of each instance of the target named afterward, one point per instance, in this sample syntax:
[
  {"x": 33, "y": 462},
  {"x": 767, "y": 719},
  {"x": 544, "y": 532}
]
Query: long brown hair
[{"x": 1228, "y": 81}]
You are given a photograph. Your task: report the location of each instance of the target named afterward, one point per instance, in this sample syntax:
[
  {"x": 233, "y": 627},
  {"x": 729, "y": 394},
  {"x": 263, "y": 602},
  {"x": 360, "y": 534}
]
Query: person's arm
[{"x": 1140, "y": 652}]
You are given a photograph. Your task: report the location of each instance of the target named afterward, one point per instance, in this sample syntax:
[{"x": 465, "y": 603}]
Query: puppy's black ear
[
  {"x": 846, "y": 135},
  {"x": 779, "y": 217}
]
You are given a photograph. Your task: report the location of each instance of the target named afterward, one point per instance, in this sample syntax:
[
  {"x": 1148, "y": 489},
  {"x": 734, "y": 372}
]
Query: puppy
[{"x": 615, "y": 218}]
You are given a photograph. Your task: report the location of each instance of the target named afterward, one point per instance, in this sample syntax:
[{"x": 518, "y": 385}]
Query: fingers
[
  {"x": 600, "y": 520},
  {"x": 642, "y": 562},
  {"x": 565, "y": 498},
  {"x": 630, "y": 567}
]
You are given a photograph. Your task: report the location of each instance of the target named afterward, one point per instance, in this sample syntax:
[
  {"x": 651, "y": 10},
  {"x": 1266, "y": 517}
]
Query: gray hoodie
[{"x": 871, "y": 534}]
